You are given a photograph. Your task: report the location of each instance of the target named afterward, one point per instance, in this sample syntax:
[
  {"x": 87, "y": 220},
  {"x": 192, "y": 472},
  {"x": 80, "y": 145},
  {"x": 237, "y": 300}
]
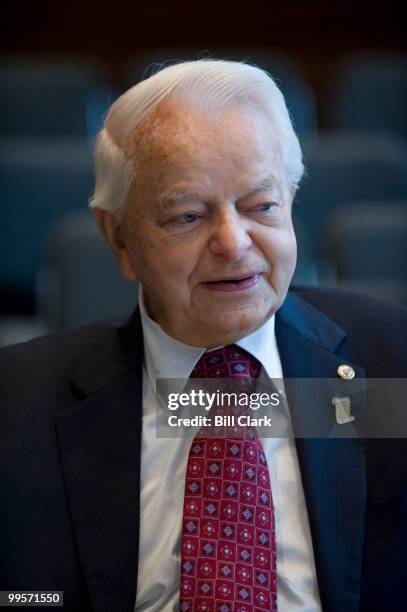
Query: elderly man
[{"x": 196, "y": 171}]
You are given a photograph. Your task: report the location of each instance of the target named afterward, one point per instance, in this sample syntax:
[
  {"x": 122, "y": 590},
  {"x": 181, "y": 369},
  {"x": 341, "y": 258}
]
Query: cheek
[
  {"x": 143, "y": 255},
  {"x": 280, "y": 249},
  {"x": 159, "y": 264}
]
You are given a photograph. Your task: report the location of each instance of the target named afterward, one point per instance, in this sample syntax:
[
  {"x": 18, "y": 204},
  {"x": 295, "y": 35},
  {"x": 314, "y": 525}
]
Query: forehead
[{"x": 182, "y": 144}]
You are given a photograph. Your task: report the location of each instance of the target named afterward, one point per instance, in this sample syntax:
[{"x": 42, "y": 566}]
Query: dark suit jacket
[{"x": 70, "y": 428}]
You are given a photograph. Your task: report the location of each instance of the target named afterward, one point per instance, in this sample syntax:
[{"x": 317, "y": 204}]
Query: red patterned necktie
[{"x": 228, "y": 538}]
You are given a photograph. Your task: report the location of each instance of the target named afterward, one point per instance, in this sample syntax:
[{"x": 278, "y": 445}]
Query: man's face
[{"x": 207, "y": 229}]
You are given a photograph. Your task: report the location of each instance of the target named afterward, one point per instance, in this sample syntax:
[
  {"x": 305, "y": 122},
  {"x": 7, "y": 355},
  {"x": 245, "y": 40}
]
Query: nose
[{"x": 230, "y": 238}]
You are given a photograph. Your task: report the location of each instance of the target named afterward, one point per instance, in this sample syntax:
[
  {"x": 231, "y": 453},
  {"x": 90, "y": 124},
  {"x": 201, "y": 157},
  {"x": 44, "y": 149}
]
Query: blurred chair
[
  {"x": 306, "y": 271},
  {"x": 79, "y": 280},
  {"x": 299, "y": 96},
  {"x": 40, "y": 181},
  {"x": 15, "y": 329},
  {"x": 369, "y": 92},
  {"x": 367, "y": 241},
  {"x": 346, "y": 166},
  {"x": 45, "y": 98}
]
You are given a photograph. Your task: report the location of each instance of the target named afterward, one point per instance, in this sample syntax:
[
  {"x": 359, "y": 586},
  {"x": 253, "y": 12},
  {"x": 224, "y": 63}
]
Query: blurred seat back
[
  {"x": 80, "y": 281},
  {"x": 369, "y": 92},
  {"x": 52, "y": 97},
  {"x": 40, "y": 182},
  {"x": 343, "y": 167},
  {"x": 367, "y": 242},
  {"x": 306, "y": 271}
]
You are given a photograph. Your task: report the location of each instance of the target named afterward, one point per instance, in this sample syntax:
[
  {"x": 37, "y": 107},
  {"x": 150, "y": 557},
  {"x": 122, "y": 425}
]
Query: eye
[
  {"x": 266, "y": 207},
  {"x": 187, "y": 218}
]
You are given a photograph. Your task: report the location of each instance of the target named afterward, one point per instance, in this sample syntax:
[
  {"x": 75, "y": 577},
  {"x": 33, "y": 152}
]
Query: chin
[{"x": 243, "y": 325}]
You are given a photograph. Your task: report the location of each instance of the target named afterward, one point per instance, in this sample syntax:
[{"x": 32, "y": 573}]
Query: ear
[{"x": 112, "y": 229}]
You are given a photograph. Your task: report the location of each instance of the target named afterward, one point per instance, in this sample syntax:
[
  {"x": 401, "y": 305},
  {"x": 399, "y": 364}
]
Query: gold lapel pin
[{"x": 346, "y": 371}]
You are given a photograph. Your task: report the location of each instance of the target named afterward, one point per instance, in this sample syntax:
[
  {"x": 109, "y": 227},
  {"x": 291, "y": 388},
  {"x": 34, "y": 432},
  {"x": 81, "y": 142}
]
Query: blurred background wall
[{"x": 341, "y": 65}]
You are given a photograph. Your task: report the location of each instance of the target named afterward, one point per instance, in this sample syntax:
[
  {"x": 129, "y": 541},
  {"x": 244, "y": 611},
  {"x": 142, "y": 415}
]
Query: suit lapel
[
  {"x": 333, "y": 469},
  {"x": 99, "y": 443}
]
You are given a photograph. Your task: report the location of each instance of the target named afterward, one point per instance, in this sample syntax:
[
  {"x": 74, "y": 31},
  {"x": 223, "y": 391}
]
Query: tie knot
[{"x": 231, "y": 362}]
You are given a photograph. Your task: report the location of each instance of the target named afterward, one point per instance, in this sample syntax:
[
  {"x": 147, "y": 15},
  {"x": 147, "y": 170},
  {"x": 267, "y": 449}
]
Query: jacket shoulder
[
  {"x": 376, "y": 330},
  {"x": 48, "y": 362},
  {"x": 347, "y": 306}
]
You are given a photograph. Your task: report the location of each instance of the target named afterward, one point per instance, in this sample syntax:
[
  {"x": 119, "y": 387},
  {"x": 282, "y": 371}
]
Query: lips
[{"x": 230, "y": 284}]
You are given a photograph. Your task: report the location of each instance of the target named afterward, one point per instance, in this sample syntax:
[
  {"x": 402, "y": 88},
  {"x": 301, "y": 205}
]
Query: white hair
[{"x": 207, "y": 85}]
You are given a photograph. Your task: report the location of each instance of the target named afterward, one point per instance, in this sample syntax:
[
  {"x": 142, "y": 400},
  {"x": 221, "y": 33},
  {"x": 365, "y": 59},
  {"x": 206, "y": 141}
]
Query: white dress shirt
[{"x": 163, "y": 466}]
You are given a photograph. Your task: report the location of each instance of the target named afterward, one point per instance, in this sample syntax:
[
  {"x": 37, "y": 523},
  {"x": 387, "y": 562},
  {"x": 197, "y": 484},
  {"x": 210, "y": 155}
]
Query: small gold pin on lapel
[
  {"x": 342, "y": 410},
  {"x": 346, "y": 371}
]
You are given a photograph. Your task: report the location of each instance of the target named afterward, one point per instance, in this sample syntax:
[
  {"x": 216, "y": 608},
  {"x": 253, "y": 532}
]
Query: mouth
[{"x": 239, "y": 283}]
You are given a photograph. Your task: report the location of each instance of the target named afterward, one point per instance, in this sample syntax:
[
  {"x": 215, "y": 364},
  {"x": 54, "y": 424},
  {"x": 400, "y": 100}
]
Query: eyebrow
[
  {"x": 170, "y": 197},
  {"x": 265, "y": 185}
]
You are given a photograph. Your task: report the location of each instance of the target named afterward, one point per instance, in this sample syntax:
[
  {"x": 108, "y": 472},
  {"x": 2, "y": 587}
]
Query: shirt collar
[{"x": 166, "y": 357}]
